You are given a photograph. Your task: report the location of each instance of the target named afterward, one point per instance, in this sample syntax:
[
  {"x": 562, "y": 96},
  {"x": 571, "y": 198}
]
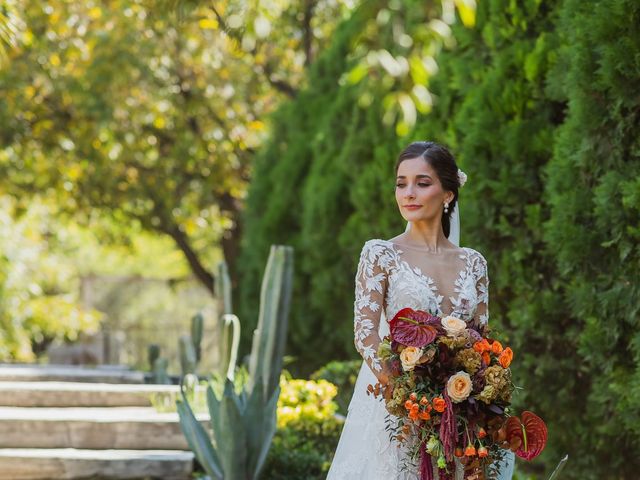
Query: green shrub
[
  {"x": 308, "y": 431},
  {"x": 342, "y": 374}
]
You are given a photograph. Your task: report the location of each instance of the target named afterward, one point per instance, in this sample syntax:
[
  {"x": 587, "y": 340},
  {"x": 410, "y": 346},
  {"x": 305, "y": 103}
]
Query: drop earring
[{"x": 446, "y": 208}]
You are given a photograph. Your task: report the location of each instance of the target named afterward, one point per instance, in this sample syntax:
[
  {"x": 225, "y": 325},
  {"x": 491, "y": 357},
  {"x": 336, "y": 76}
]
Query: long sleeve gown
[{"x": 391, "y": 277}]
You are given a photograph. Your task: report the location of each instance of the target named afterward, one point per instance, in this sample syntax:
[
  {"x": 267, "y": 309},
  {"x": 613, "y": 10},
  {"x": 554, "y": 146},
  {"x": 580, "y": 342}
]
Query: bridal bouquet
[{"x": 451, "y": 392}]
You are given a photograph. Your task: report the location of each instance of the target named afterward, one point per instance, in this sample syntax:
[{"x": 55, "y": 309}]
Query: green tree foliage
[
  {"x": 111, "y": 107},
  {"x": 593, "y": 234},
  {"x": 319, "y": 181},
  {"x": 10, "y": 25},
  {"x": 149, "y": 116},
  {"x": 300, "y": 196},
  {"x": 492, "y": 110},
  {"x": 38, "y": 285}
]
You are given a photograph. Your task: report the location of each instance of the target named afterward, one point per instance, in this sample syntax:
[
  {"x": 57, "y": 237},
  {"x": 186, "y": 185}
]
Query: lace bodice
[{"x": 391, "y": 277}]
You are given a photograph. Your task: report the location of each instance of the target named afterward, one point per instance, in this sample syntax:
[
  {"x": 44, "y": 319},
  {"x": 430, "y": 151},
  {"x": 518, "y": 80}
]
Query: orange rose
[
  {"x": 424, "y": 415},
  {"x": 482, "y": 346},
  {"x": 470, "y": 451},
  {"x": 439, "y": 405},
  {"x": 483, "y": 452},
  {"x": 486, "y": 358},
  {"x": 505, "y": 357},
  {"x": 496, "y": 347},
  {"x": 413, "y": 413}
]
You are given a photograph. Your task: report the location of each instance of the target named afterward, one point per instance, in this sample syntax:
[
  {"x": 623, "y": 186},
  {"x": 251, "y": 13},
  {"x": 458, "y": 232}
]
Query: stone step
[
  {"x": 71, "y": 373},
  {"x": 129, "y": 428},
  {"x": 80, "y": 394},
  {"x": 69, "y": 463}
]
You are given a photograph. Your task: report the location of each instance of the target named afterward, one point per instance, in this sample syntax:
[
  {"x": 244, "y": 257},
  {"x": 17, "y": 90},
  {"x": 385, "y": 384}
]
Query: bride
[{"x": 424, "y": 269}]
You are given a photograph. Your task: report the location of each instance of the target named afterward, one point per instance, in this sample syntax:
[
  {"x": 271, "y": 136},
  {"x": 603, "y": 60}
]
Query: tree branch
[
  {"x": 198, "y": 269},
  {"x": 307, "y": 31},
  {"x": 279, "y": 85}
]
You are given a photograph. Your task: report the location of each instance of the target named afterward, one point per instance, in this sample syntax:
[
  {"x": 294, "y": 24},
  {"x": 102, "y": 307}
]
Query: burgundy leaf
[{"x": 414, "y": 328}]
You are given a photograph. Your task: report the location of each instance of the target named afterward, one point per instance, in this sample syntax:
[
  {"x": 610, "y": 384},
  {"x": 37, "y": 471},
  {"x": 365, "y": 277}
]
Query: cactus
[
  {"x": 160, "y": 371},
  {"x": 228, "y": 325},
  {"x": 157, "y": 365},
  {"x": 229, "y": 345},
  {"x": 188, "y": 361},
  {"x": 197, "y": 327},
  {"x": 243, "y": 424},
  {"x": 223, "y": 289},
  {"x": 269, "y": 337},
  {"x": 153, "y": 353}
]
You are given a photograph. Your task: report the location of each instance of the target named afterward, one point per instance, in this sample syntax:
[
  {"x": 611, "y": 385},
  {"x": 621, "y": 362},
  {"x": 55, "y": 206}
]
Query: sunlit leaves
[
  {"x": 411, "y": 36},
  {"x": 10, "y": 29},
  {"x": 38, "y": 299},
  {"x": 467, "y": 11}
]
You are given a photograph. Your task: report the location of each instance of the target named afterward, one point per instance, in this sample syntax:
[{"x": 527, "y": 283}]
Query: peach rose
[
  {"x": 453, "y": 325},
  {"x": 459, "y": 386},
  {"x": 410, "y": 357}
]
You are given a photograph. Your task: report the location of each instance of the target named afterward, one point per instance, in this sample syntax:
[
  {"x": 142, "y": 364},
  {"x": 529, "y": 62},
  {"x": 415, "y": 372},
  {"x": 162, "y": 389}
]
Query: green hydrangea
[
  {"x": 469, "y": 359},
  {"x": 497, "y": 385},
  {"x": 488, "y": 394}
]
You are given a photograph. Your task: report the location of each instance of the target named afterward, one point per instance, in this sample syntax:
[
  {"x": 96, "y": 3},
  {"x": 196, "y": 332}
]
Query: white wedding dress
[{"x": 391, "y": 277}]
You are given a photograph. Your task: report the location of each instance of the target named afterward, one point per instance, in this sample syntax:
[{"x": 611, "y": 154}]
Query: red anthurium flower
[
  {"x": 413, "y": 327},
  {"x": 532, "y": 433}
]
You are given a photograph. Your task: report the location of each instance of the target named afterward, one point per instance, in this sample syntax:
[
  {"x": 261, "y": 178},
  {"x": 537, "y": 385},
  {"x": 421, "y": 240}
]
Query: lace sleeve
[
  {"x": 371, "y": 287},
  {"x": 481, "y": 316}
]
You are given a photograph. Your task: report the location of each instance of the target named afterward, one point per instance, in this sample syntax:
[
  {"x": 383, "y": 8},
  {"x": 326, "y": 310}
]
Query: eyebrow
[{"x": 417, "y": 176}]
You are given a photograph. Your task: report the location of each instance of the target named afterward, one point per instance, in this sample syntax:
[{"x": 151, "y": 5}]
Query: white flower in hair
[{"x": 462, "y": 177}]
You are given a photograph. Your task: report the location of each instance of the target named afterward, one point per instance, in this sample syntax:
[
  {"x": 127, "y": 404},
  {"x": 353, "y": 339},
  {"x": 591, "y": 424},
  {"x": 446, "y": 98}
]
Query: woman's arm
[
  {"x": 481, "y": 316},
  {"x": 370, "y": 290}
]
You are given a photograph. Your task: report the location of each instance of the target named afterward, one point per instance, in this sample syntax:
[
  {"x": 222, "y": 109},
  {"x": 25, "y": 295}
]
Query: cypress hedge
[{"x": 539, "y": 103}]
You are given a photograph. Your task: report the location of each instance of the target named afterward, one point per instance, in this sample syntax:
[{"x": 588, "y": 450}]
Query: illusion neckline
[
  {"x": 431, "y": 283},
  {"x": 424, "y": 250}
]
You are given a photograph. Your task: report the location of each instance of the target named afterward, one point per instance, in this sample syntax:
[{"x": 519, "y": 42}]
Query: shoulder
[
  {"x": 377, "y": 251},
  {"x": 477, "y": 260},
  {"x": 376, "y": 244}
]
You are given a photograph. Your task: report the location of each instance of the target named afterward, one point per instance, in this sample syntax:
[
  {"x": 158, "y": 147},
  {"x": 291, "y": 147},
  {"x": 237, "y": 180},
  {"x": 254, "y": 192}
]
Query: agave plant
[
  {"x": 243, "y": 423},
  {"x": 228, "y": 327}
]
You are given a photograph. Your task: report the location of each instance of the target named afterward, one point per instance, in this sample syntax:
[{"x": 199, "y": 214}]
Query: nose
[{"x": 409, "y": 192}]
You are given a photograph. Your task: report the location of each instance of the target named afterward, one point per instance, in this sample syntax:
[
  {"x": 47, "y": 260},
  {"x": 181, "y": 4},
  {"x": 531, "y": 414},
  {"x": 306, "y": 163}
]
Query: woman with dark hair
[{"x": 423, "y": 268}]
